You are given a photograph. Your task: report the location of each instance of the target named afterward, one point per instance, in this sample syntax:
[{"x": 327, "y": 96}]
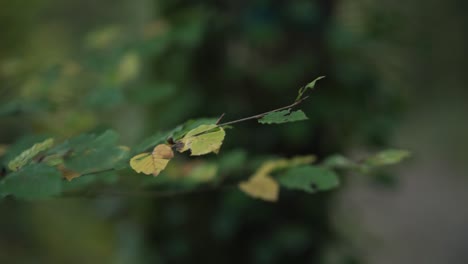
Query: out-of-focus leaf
[
  {"x": 387, "y": 157},
  {"x": 151, "y": 141},
  {"x": 204, "y": 172},
  {"x": 33, "y": 182},
  {"x": 232, "y": 161},
  {"x": 262, "y": 185},
  {"x": 103, "y": 38},
  {"x": 310, "y": 86},
  {"x": 3, "y": 149},
  {"x": 309, "y": 179},
  {"x": 94, "y": 153},
  {"x": 20, "y": 146},
  {"x": 105, "y": 98},
  {"x": 339, "y": 162},
  {"x": 67, "y": 173},
  {"x": 108, "y": 177},
  {"x": 129, "y": 67},
  {"x": 30, "y": 153},
  {"x": 152, "y": 93},
  {"x": 283, "y": 116},
  {"x": 53, "y": 160},
  {"x": 202, "y": 140},
  {"x": 152, "y": 163}
]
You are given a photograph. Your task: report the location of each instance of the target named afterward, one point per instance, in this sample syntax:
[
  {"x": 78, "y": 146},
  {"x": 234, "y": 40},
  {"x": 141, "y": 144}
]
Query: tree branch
[{"x": 263, "y": 114}]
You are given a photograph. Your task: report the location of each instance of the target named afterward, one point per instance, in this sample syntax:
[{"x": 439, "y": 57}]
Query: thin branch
[
  {"x": 263, "y": 114},
  {"x": 219, "y": 119}
]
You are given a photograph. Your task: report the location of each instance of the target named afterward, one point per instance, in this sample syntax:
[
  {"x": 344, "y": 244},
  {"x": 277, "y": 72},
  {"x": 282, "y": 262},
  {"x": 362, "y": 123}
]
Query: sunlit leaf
[
  {"x": 152, "y": 163},
  {"x": 283, "y": 116},
  {"x": 30, "y": 153},
  {"x": 202, "y": 140},
  {"x": 309, "y": 179},
  {"x": 33, "y": 182}
]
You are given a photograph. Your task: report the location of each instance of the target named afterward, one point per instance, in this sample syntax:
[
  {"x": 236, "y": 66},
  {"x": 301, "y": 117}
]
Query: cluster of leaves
[{"x": 38, "y": 171}]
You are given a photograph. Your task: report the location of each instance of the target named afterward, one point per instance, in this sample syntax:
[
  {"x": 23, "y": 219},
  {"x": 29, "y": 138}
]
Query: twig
[
  {"x": 263, "y": 114},
  {"x": 219, "y": 119}
]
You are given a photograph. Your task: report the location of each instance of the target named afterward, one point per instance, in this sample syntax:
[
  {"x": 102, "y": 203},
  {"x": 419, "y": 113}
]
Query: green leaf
[
  {"x": 33, "y": 182},
  {"x": 20, "y": 146},
  {"x": 151, "y": 142},
  {"x": 310, "y": 86},
  {"x": 309, "y": 179},
  {"x": 284, "y": 116},
  {"x": 183, "y": 129},
  {"x": 387, "y": 157},
  {"x": 30, "y": 153},
  {"x": 262, "y": 185},
  {"x": 339, "y": 162},
  {"x": 95, "y": 153},
  {"x": 202, "y": 140}
]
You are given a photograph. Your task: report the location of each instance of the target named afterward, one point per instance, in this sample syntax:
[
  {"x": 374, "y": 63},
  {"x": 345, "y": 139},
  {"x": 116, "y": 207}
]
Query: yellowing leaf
[
  {"x": 67, "y": 173},
  {"x": 152, "y": 163},
  {"x": 30, "y": 153},
  {"x": 202, "y": 140},
  {"x": 262, "y": 187}
]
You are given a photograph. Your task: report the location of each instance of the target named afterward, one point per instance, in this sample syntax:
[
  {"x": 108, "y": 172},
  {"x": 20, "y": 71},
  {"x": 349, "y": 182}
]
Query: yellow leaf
[
  {"x": 202, "y": 140},
  {"x": 262, "y": 187},
  {"x": 152, "y": 163}
]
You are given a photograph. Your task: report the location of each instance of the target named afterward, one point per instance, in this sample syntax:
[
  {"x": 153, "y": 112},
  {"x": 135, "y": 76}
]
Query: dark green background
[{"x": 395, "y": 77}]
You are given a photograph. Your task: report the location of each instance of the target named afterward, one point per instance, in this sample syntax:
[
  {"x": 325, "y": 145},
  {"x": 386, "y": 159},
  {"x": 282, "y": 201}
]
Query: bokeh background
[{"x": 396, "y": 77}]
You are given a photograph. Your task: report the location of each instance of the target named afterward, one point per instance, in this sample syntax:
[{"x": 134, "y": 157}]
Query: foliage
[{"x": 92, "y": 154}]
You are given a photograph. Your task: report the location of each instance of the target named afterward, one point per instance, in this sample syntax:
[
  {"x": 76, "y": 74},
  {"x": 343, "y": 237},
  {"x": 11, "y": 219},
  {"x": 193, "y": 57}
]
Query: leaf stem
[{"x": 263, "y": 114}]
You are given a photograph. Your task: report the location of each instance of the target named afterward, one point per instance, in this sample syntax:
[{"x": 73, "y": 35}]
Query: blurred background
[{"x": 396, "y": 77}]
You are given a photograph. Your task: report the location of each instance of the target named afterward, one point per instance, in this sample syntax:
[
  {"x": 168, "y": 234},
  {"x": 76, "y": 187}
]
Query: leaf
[
  {"x": 204, "y": 172},
  {"x": 261, "y": 185},
  {"x": 129, "y": 67},
  {"x": 183, "y": 129},
  {"x": 202, "y": 140},
  {"x": 89, "y": 153},
  {"x": 283, "y": 116},
  {"x": 30, "y": 153},
  {"x": 339, "y": 162},
  {"x": 156, "y": 139},
  {"x": 387, "y": 157},
  {"x": 67, "y": 173},
  {"x": 310, "y": 86},
  {"x": 309, "y": 179},
  {"x": 33, "y": 182},
  {"x": 152, "y": 163}
]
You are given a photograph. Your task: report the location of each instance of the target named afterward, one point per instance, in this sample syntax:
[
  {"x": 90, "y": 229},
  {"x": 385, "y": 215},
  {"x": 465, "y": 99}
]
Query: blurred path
[{"x": 425, "y": 218}]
